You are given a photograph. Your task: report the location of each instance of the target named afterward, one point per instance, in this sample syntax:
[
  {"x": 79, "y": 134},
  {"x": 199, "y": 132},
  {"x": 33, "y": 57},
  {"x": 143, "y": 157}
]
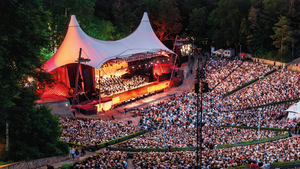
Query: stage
[{"x": 131, "y": 94}]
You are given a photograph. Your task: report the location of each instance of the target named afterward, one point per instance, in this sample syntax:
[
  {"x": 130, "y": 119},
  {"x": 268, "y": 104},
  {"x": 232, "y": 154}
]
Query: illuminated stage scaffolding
[{"x": 123, "y": 96}]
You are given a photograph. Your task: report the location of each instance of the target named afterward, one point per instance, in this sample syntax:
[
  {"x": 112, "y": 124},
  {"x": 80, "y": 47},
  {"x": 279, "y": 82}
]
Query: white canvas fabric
[
  {"x": 294, "y": 111},
  {"x": 142, "y": 40}
]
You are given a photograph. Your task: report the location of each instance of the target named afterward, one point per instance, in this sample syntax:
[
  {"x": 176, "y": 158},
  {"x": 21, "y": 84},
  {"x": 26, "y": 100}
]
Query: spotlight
[{"x": 168, "y": 59}]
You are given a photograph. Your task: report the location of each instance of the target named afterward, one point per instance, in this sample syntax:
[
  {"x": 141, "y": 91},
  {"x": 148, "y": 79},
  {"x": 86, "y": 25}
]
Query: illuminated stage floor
[{"x": 119, "y": 116}]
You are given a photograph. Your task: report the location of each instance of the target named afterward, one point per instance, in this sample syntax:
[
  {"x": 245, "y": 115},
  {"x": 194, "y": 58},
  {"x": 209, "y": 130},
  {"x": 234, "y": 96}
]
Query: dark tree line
[
  {"x": 264, "y": 28},
  {"x": 26, "y": 131}
]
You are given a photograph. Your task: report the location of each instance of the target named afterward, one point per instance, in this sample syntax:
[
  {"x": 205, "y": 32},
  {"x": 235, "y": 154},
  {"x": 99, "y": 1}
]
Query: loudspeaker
[
  {"x": 87, "y": 84},
  {"x": 196, "y": 87},
  {"x": 204, "y": 87}
]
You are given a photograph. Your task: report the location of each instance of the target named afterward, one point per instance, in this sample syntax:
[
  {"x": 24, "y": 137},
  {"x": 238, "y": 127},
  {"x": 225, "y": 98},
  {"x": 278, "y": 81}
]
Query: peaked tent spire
[
  {"x": 143, "y": 39},
  {"x": 145, "y": 17},
  {"x": 73, "y": 21}
]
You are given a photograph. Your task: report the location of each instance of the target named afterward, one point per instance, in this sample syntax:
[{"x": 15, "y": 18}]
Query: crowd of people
[
  {"x": 246, "y": 72},
  {"x": 103, "y": 160},
  {"x": 262, "y": 154},
  {"x": 115, "y": 84},
  {"x": 281, "y": 86},
  {"x": 176, "y": 136},
  {"x": 172, "y": 122},
  {"x": 218, "y": 69},
  {"x": 273, "y": 116},
  {"x": 92, "y": 131}
]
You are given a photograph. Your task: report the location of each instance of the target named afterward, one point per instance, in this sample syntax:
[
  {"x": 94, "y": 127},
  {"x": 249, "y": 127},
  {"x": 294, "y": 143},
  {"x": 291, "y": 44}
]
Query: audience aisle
[{"x": 57, "y": 165}]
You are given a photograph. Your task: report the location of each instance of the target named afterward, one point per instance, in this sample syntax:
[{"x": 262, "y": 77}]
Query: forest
[{"x": 265, "y": 28}]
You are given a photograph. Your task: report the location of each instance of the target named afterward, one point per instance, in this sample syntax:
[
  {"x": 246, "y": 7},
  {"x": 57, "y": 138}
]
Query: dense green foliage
[
  {"x": 66, "y": 166},
  {"x": 27, "y": 132},
  {"x": 265, "y": 28},
  {"x": 285, "y": 163},
  {"x": 4, "y": 163}
]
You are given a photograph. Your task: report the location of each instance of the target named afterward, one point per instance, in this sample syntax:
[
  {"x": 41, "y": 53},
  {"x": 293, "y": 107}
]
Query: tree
[
  {"x": 252, "y": 18},
  {"x": 60, "y": 12},
  {"x": 166, "y": 20},
  {"x": 198, "y": 24},
  {"x": 33, "y": 132},
  {"x": 272, "y": 10},
  {"x": 101, "y": 29},
  {"x": 283, "y": 35},
  {"x": 226, "y": 22},
  {"x": 125, "y": 15},
  {"x": 255, "y": 37}
]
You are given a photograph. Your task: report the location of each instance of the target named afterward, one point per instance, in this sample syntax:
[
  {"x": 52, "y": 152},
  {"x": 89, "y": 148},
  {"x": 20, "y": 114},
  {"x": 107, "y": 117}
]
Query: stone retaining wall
[
  {"x": 294, "y": 68},
  {"x": 62, "y": 108},
  {"x": 35, "y": 163},
  {"x": 268, "y": 62},
  {"x": 290, "y": 66}
]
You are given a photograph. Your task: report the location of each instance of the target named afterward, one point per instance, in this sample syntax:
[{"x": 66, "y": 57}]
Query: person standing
[
  {"x": 77, "y": 154},
  {"x": 72, "y": 152},
  {"x": 83, "y": 151}
]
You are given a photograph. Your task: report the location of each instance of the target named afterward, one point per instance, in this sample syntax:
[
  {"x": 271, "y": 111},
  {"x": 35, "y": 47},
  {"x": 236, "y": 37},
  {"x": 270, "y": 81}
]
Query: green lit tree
[
  {"x": 101, "y": 29},
  {"x": 226, "y": 22},
  {"x": 283, "y": 35},
  {"x": 32, "y": 132},
  {"x": 198, "y": 25}
]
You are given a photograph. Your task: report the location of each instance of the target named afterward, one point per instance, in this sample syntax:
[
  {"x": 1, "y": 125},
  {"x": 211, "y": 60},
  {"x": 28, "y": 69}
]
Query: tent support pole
[
  {"x": 172, "y": 53},
  {"x": 99, "y": 91},
  {"x": 173, "y": 70},
  {"x": 77, "y": 77},
  {"x": 160, "y": 65}
]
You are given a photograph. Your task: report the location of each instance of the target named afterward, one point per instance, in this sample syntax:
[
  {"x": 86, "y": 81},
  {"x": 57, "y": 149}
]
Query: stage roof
[{"x": 142, "y": 40}]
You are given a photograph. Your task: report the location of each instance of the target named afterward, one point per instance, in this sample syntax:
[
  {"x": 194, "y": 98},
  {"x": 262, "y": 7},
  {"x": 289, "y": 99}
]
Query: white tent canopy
[
  {"x": 294, "y": 111},
  {"x": 218, "y": 52},
  {"x": 142, "y": 40}
]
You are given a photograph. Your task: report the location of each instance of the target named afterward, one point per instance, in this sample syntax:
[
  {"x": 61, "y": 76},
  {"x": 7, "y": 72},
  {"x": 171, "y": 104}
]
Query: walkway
[{"x": 57, "y": 165}]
